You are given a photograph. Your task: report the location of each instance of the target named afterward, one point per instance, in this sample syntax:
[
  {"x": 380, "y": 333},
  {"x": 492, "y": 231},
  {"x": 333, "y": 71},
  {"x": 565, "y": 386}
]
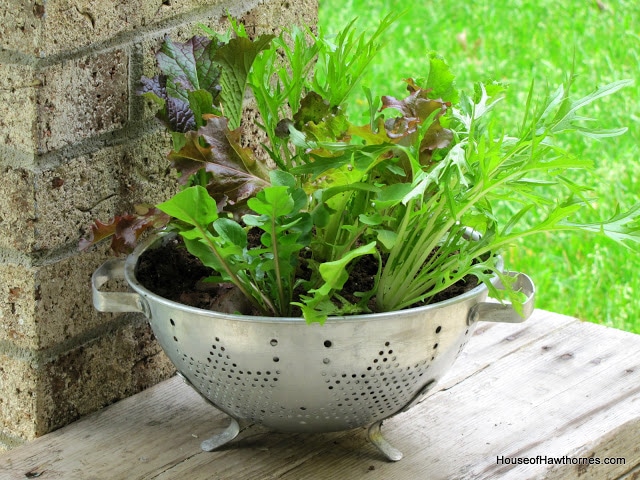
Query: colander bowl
[{"x": 290, "y": 376}]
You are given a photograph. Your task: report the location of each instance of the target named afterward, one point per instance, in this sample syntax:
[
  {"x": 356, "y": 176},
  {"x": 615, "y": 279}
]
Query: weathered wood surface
[{"x": 552, "y": 386}]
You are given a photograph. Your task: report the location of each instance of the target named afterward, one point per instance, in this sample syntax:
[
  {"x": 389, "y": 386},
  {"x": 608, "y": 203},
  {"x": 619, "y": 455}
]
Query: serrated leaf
[
  {"x": 125, "y": 230},
  {"x": 235, "y": 174},
  {"x": 186, "y": 68},
  {"x": 622, "y": 227},
  {"x": 486, "y": 98},
  {"x": 555, "y": 99},
  {"x": 236, "y": 58},
  {"x": 343, "y": 60},
  {"x": 440, "y": 80},
  {"x": 513, "y": 221},
  {"x": 190, "y": 65},
  {"x": 565, "y": 118},
  {"x": 420, "y": 116},
  {"x": 317, "y": 118}
]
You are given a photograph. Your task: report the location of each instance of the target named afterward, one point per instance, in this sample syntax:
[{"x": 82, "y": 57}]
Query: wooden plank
[
  {"x": 493, "y": 341},
  {"x": 568, "y": 393},
  {"x": 552, "y": 386},
  {"x": 142, "y": 434},
  {"x": 632, "y": 475},
  {"x": 269, "y": 455}
]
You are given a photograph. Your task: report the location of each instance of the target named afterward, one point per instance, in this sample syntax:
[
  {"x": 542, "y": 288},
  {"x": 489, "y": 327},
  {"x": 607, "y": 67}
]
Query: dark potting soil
[{"x": 173, "y": 273}]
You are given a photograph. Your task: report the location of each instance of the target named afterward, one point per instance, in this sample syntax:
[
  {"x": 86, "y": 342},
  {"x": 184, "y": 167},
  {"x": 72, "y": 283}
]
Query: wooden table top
[{"x": 551, "y": 398}]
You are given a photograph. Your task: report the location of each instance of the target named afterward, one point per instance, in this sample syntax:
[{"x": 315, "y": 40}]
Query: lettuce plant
[{"x": 412, "y": 189}]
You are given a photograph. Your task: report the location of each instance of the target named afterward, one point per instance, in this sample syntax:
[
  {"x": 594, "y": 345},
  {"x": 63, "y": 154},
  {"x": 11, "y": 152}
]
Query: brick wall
[{"x": 76, "y": 144}]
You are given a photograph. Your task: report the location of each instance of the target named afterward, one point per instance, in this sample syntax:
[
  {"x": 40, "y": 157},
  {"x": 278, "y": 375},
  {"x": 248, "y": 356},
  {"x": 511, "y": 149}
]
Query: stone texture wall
[{"x": 76, "y": 143}]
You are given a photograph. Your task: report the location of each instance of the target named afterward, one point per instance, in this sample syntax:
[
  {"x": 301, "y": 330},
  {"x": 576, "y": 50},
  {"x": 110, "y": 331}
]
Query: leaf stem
[{"x": 235, "y": 279}]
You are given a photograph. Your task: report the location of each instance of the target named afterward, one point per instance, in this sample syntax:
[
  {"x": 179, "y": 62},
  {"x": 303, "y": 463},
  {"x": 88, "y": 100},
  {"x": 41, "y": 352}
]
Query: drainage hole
[
  {"x": 327, "y": 343},
  {"x": 175, "y": 339},
  {"x": 438, "y": 329},
  {"x": 273, "y": 342},
  {"x": 172, "y": 322}
]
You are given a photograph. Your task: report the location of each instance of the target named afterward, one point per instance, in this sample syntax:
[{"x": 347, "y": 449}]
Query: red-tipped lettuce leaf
[
  {"x": 235, "y": 173},
  {"x": 416, "y": 108},
  {"x": 125, "y": 230}
]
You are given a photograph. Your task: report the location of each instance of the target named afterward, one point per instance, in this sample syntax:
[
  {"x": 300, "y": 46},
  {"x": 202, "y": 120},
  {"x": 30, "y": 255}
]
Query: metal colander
[{"x": 290, "y": 376}]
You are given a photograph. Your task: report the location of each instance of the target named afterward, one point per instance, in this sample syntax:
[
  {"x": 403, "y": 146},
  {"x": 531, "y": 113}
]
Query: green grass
[{"x": 517, "y": 41}]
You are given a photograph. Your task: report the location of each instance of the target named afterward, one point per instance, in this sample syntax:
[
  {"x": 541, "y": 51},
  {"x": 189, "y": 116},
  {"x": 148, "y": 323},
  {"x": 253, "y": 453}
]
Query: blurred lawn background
[{"x": 517, "y": 41}]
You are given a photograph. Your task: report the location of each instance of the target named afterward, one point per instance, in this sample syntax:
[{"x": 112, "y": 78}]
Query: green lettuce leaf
[{"x": 236, "y": 58}]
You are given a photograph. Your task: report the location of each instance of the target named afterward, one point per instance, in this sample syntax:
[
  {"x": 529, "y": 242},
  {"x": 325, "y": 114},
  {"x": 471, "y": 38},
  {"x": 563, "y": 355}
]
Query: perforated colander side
[{"x": 349, "y": 397}]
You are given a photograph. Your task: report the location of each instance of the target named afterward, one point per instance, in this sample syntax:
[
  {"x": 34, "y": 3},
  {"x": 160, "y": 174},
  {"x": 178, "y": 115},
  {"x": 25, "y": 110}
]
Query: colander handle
[
  {"x": 113, "y": 269},
  {"x": 505, "y": 313}
]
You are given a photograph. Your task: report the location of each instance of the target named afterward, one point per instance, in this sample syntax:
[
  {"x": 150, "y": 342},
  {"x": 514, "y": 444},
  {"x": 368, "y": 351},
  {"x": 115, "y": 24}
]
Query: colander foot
[
  {"x": 223, "y": 438},
  {"x": 388, "y": 450}
]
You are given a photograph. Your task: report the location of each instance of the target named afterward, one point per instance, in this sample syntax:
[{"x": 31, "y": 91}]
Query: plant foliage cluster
[{"x": 413, "y": 187}]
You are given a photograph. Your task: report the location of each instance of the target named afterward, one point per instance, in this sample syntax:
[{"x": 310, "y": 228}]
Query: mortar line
[
  {"x": 49, "y": 354},
  {"x": 121, "y": 39},
  {"x": 130, "y": 131}
]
